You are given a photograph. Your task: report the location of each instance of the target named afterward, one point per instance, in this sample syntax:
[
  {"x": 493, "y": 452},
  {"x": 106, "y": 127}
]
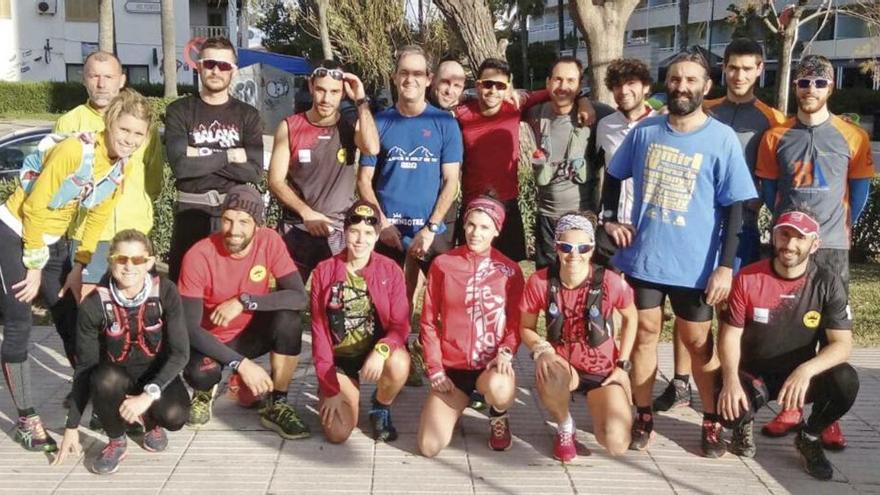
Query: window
[
  {"x": 12, "y": 153},
  {"x": 81, "y": 10},
  {"x": 850, "y": 27},
  {"x": 137, "y": 74},
  {"x": 5, "y": 9},
  {"x": 74, "y": 72}
]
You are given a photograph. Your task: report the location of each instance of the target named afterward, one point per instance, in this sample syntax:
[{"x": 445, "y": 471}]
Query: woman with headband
[
  {"x": 470, "y": 322},
  {"x": 579, "y": 354}
]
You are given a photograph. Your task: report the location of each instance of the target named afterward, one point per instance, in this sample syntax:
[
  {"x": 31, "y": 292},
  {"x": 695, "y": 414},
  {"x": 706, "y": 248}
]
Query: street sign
[{"x": 143, "y": 7}]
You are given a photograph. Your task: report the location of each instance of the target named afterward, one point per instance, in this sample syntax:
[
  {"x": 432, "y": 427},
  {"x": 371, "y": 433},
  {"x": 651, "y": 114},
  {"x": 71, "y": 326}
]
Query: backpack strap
[{"x": 553, "y": 314}]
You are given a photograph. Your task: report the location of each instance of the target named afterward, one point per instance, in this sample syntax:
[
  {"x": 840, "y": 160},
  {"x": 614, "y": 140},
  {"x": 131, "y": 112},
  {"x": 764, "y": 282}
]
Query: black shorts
[
  {"x": 689, "y": 304},
  {"x": 464, "y": 380},
  {"x": 587, "y": 383},
  {"x": 305, "y": 249},
  {"x": 350, "y": 366}
]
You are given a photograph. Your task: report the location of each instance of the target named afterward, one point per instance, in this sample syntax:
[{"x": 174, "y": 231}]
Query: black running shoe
[
  {"x": 642, "y": 432},
  {"x": 712, "y": 441},
  {"x": 478, "y": 401},
  {"x": 742, "y": 442},
  {"x": 813, "y": 457},
  {"x": 677, "y": 394},
  {"x": 383, "y": 428}
]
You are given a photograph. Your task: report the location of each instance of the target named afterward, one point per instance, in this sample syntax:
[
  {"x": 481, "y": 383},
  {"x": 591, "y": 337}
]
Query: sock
[
  {"x": 566, "y": 425},
  {"x": 494, "y": 413},
  {"x": 18, "y": 380},
  {"x": 810, "y": 436},
  {"x": 279, "y": 396},
  {"x": 686, "y": 379},
  {"x": 646, "y": 416},
  {"x": 377, "y": 404},
  {"x": 23, "y": 413},
  {"x": 713, "y": 417}
]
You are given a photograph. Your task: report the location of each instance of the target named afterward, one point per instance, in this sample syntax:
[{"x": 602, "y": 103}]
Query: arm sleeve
[
  {"x": 515, "y": 286},
  {"x": 610, "y": 197},
  {"x": 90, "y": 318},
  {"x": 399, "y": 319},
  {"x": 768, "y": 194},
  {"x": 859, "y": 191},
  {"x": 154, "y": 165},
  {"x": 176, "y": 335},
  {"x": 322, "y": 343},
  {"x": 202, "y": 340},
  {"x": 289, "y": 294},
  {"x": 431, "y": 310},
  {"x": 176, "y": 141},
  {"x": 731, "y": 224},
  {"x": 252, "y": 170},
  {"x": 59, "y": 162}
]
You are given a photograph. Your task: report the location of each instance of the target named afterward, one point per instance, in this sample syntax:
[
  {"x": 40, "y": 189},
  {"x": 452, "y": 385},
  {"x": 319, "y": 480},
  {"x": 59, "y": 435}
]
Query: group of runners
[{"x": 633, "y": 206}]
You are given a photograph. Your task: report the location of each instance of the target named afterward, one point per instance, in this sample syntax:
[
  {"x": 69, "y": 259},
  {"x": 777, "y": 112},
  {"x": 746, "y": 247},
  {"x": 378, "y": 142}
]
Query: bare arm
[
  {"x": 366, "y": 135},
  {"x": 448, "y": 191}
]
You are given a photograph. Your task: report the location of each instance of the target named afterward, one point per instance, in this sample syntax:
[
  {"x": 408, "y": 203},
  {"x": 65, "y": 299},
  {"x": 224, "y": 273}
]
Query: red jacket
[
  {"x": 471, "y": 310},
  {"x": 387, "y": 290}
]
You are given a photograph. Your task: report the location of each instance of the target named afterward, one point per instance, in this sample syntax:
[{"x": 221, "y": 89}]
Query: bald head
[
  {"x": 448, "y": 83},
  {"x": 103, "y": 78}
]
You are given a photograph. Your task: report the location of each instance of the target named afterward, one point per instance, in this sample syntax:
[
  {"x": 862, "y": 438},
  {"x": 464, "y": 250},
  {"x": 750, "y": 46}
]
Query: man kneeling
[{"x": 778, "y": 310}]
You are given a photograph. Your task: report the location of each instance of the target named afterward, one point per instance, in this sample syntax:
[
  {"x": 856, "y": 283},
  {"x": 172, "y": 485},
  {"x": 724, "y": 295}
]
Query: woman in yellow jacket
[{"x": 82, "y": 171}]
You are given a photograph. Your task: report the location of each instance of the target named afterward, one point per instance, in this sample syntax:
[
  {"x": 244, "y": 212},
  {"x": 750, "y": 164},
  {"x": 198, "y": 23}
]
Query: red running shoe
[
  {"x": 564, "y": 447},
  {"x": 240, "y": 392},
  {"x": 832, "y": 437},
  {"x": 499, "y": 433},
  {"x": 784, "y": 423}
]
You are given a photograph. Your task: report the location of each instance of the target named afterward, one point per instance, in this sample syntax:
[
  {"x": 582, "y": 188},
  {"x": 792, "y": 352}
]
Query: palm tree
[{"x": 105, "y": 26}]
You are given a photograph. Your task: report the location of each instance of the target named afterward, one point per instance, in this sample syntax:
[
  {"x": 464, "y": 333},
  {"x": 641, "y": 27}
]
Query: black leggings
[
  {"x": 190, "y": 227},
  {"x": 110, "y": 383},
  {"x": 279, "y": 332},
  {"x": 17, "y": 320},
  {"x": 832, "y": 393}
]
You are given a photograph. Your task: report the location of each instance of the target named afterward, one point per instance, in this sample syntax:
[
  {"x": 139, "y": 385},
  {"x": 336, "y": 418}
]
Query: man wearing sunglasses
[
  {"x": 824, "y": 162},
  {"x": 233, "y": 317},
  {"x": 213, "y": 142},
  {"x": 312, "y": 171}
]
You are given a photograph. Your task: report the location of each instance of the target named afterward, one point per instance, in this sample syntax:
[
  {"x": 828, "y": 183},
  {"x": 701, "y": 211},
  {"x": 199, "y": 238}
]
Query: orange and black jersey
[
  {"x": 812, "y": 165},
  {"x": 784, "y": 318},
  {"x": 749, "y": 120}
]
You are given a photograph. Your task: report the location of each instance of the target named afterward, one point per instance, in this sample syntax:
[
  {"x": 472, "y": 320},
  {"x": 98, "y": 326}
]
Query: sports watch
[
  {"x": 153, "y": 390},
  {"x": 382, "y": 349},
  {"x": 246, "y": 301},
  {"x": 625, "y": 365},
  {"x": 436, "y": 228}
]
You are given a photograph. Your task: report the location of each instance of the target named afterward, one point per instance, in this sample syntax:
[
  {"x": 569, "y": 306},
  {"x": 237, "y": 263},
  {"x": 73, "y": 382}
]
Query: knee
[
  {"x": 617, "y": 447},
  {"x": 397, "y": 366},
  {"x": 337, "y": 433},
  {"x": 556, "y": 384},
  {"x": 429, "y": 446},
  {"x": 846, "y": 381},
  {"x": 500, "y": 391},
  {"x": 202, "y": 373},
  {"x": 174, "y": 417},
  {"x": 108, "y": 380},
  {"x": 288, "y": 332}
]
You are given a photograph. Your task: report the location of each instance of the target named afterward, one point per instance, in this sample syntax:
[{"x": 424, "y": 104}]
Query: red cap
[{"x": 803, "y": 223}]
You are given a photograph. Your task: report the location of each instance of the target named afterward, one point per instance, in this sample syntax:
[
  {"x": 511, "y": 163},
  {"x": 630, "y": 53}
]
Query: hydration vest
[
  {"x": 126, "y": 328},
  {"x": 597, "y": 328},
  {"x": 336, "y": 315}
]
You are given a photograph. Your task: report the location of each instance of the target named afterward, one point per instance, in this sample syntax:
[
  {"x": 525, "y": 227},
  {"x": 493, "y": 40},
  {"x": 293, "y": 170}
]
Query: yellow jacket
[
  {"x": 143, "y": 177},
  {"x": 35, "y": 219}
]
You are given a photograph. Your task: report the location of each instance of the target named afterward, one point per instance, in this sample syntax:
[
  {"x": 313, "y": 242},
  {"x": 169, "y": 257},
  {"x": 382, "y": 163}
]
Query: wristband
[
  {"x": 504, "y": 353},
  {"x": 382, "y": 349},
  {"x": 35, "y": 258},
  {"x": 541, "y": 348}
]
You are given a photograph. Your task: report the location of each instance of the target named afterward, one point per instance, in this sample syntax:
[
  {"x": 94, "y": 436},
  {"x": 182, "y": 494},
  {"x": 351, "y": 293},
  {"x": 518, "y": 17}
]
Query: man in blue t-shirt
[
  {"x": 689, "y": 181},
  {"x": 414, "y": 178}
]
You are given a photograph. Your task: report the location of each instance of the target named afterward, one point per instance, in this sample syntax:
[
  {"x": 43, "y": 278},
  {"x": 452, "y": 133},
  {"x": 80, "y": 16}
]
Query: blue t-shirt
[
  {"x": 408, "y": 168},
  {"x": 681, "y": 182}
]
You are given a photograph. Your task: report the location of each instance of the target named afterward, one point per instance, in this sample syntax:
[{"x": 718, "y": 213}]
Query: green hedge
[{"x": 59, "y": 97}]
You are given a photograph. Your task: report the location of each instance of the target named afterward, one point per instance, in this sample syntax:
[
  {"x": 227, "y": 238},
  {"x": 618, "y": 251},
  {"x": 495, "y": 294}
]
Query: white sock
[{"x": 566, "y": 425}]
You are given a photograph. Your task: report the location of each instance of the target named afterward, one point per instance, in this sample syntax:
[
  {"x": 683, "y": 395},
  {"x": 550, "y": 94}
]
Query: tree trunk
[
  {"x": 105, "y": 26},
  {"x": 603, "y": 24},
  {"x": 789, "y": 38},
  {"x": 684, "y": 9},
  {"x": 169, "y": 50},
  {"x": 524, "y": 47},
  {"x": 472, "y": 20},
  {"x": 323, "y": 11}
]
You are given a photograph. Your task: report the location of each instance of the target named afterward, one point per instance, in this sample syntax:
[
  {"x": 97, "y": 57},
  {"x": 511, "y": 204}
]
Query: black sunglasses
[
  {"x": 355, "y": 219},
  {"x": 210, "y": 64},
  {"x": 324, "y": 72},
  {"x": 804, "y": 83},
  {"x": 489, "y": 84}
]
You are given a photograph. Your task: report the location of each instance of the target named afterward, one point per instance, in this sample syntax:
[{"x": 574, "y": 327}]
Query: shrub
[{"x": 59, "y": 97}]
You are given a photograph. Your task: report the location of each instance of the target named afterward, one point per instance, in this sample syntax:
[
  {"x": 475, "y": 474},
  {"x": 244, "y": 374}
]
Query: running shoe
[
  {"x": 383, "y": 428},
  {"x": 240, "y": 392},
  {"x": 155, "y": 440},
  {"x": 201, "y": 407},
  {"x": 565, "y": 447},
  {"x": 784, "y": 423},
  {"x": 712, "y": 442},
  {"x": 478, "y": 402},
  {"x": 677, "y": 394},
  {"x": 281, "y": 418},
  {"x": 832, "y": 437},
  {"x": 31, "y": 434},
  {"x": 813, "y": 457},
  {"x": 642, "y": 432},
  {"x": 499, "y": 433},
  {"x": 110, "y": 457},
  {"x": 742, "y": 441},
  {"x": 417, "y": 366}
]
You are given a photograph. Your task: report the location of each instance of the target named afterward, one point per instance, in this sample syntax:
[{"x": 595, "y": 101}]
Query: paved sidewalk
[{"x": 235, "y": 454}]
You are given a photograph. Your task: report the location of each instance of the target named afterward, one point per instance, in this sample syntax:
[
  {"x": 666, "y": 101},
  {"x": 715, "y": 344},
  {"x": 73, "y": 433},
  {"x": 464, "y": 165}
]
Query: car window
[{"x": 12, "y": 154}]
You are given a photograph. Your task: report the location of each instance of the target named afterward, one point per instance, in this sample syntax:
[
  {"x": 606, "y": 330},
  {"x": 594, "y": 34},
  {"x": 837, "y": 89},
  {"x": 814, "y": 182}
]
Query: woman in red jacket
[
  {"x": 360, "y": 322},
  {"x": 470, "y": 331}
]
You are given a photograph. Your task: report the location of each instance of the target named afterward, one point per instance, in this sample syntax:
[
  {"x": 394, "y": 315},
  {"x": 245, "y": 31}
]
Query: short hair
[
  {"x": 796, "y": 208},
  {"x": 411, "y": 50},
  {"x": 218, "y": 43},
  {"x": 128, "y": 102},
  {"x": 744, "y": 46},
  {"x": 622, "y": 70},
  {"x": 568, "y": 59},
  {"x": 691, "y": 55},
  {"x": 101, "y": 56},
  {"x": 132, "y": 235},
  {"x": 494, "y": 64}
]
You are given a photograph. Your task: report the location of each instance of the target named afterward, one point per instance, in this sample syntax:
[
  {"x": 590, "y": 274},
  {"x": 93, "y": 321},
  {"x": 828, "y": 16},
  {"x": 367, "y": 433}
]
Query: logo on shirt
[
  {"x": 670, "y": 180},
  {"x": 258, "y": 273},
  {"x": 812, "y": 319},
  {"x": 761, "y": 315},
  {"x": 222, "y": 135},
  {"x": 341, "y": 155},
  {"x": 808, "y": 175},
  {"x": 412, "y": 159}
]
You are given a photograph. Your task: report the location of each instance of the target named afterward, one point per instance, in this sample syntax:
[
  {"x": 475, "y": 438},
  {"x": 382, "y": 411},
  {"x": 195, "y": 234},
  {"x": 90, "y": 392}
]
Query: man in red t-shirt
[{"x": 233, "y": 317}]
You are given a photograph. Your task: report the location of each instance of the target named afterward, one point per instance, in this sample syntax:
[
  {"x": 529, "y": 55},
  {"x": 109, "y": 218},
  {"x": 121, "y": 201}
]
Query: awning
[{"x": 287, "y": 63}]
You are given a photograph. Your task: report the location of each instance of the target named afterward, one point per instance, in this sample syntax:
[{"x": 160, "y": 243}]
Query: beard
[
  {"x": 236, "y": 244},
  {"x": 692, "y": 102},
  {"x": 806, "y": 103},
  {"x": 790, "y": 262}
]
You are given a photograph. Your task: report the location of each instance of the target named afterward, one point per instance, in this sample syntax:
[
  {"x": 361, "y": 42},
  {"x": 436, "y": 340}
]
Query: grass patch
[{"x": 865, "y": 302}]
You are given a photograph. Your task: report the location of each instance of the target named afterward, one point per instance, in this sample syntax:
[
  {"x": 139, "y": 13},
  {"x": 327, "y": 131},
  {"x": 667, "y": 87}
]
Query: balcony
[{"x": 209, "y": 31}]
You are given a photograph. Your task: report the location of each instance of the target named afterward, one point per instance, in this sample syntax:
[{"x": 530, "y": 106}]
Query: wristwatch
[
  {"x": 153, "y": 390},
  {"x": 233, "y": 365},
  {"x": 246, "y": 301},
  {"x": 361, "y": 101},
  {"x": 436, "y": 228},
  {"x": 382, "y": 349},
  {"x": 625, "y": 365}
]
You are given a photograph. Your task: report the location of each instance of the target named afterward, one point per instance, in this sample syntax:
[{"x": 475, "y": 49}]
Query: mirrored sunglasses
[
  {"x": 324, "y": 72},
  {"x": 210, "y": 64},
  {"x": 121, "y": 259},
  {"x": 805, "y": 83},
  {"x": 568, "y": 247}
]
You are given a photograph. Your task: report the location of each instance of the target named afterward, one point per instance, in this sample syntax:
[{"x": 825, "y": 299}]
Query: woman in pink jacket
[
  {"x": 470, "y": 331},
  {"x": 360, "y": 322}
]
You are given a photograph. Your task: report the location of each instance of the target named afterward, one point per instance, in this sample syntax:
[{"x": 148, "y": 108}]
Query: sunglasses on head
[
  {"x": 324, "y": 72},
  {"x": 210, "y": 64},
  {"x": 805, "y": 83},
  {"x": 121, "y": 259},
  {"x": 355, "y": 219},
  {"x": 568, "y": 247},
  {"x": 489, "y": 84}
]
